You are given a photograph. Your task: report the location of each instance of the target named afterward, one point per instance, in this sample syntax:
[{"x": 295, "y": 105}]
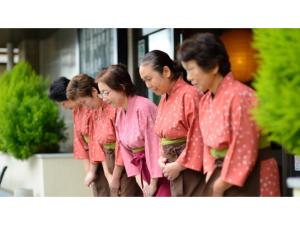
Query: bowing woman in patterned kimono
[
  {"x": 102, "y": 138},
  {"x": 139, "y": 145},
  {"x": 232, "y": 159},
  {"x": 177, "y": 123},
  {"x": 82, "y": 122}
]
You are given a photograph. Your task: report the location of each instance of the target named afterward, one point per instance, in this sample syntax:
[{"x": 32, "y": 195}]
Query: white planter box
[
  {"x": 45, "y": 174},
  {"x": 294, "y": 182}
]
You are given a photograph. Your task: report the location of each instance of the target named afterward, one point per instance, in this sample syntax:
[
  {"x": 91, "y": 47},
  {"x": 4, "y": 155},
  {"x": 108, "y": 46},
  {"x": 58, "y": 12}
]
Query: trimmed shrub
[
  {"x": 29, "y": 120},
  {"x": 278, "y": 85}
]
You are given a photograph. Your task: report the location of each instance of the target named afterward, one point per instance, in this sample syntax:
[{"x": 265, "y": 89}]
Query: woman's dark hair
[
  {"x": 81, "y": 86},
  {"x": 117, "y": 78},
  {"x": 158, "y": 59},
  {"x": 207, "y": 50},
  {"x": 58, "y": 89}
]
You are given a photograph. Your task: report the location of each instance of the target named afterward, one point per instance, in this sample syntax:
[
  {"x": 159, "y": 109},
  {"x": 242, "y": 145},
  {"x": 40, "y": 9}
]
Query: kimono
[
  {"x": 139, "y": 145},
  {"x": 177, "y": 118},
  {"x": 82, "y": 123},
  {"x": 84, "y": 147},
  {"x": 231, "y": 138},
  {"x": 104, "y": 146}
]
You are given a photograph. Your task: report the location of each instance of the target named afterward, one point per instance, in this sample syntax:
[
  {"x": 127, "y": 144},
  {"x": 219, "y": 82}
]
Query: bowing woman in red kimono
[
  {"x": 232, "y": 159},
  {"x": 82, "y": 123},
  {"x": 177, "y": 123}
]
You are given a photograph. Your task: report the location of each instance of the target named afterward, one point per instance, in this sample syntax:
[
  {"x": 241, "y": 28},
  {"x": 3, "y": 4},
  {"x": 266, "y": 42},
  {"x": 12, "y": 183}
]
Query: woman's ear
[
  {"x": 215, "y": 70},
  {"x": 166, "y": 72},
  {"x": 94, "y": 92},
  {"x": 123, "y": 87}
]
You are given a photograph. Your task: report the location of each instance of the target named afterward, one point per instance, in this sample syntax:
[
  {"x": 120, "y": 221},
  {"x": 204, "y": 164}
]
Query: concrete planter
[
  {"x": 44, "y": 175},
  {"x": 294, "y": 183}
]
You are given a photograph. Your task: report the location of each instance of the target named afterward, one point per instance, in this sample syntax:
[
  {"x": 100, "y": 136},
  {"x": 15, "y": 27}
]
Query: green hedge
[
  {"x": 278, "y": 85},
  {"x": 29, "y": 121}
]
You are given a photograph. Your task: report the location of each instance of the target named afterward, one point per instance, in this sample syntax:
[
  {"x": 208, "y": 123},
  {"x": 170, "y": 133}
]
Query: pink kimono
[
  {"x": 135, "y": 129},
  {"x": 226, "y": 123}
]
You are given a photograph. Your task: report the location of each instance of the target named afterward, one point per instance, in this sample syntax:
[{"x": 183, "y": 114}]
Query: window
[
  {"x": 98, "y": 49},
  {"x": 162, "y": 40},
  {"x": 4, "y": 56}
]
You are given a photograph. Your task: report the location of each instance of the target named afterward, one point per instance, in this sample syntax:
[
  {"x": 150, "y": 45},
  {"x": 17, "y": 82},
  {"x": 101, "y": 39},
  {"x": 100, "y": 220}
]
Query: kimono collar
[
  {"x": 130, "y": 102},
  {"x": 178, "y": 84},
  {"x": 227, "y": 81}
]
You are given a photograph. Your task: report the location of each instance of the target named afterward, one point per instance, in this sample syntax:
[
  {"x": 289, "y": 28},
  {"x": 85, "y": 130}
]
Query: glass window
[
  {"x": 4, "y": 55},
  {"x": 98, "y": 49},
  {"x": 146, "y": 31},
  {"x": 162, "y": 40}
]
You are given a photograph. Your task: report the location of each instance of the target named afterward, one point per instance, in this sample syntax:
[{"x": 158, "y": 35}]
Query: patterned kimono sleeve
[
  {"x": 98, "y": 148},
  {"x": 243, "y": 147},
  {"x": 80, "y": 147},
  {"x": 118, "y": 157},
  {"x": 95, "y": 148},
  {"x": 146, "y": 119},
  {"x": 96, "y": 151},
  {"x": 192, "y": 155}
]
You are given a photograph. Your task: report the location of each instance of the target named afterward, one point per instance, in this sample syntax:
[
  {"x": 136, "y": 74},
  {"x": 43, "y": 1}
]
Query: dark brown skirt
[
  {"x": 251, "y": 186},
  {"x": 189, "y": 182},
  {"x": 100, "y": 185},
  {"x": 128, "y": 185}
]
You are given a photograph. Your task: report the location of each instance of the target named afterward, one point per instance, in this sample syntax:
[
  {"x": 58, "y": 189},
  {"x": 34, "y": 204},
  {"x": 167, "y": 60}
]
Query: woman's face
[
  {"x": 198, "y": 77},
  {"x": 110, "y": 96},
  {"x": 157, "y": 82},
  {"x": 91, "y": 102},
  {"x": 68, "y": 104}
]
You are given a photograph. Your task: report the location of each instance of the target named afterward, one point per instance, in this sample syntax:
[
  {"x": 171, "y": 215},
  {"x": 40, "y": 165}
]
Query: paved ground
[{"x": 5, "y": 193}]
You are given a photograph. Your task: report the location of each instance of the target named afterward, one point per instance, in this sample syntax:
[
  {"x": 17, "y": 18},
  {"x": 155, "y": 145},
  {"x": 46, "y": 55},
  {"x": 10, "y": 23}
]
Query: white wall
[
  {"x": 46, "y": 174},
  {"x": 59, "y": 56}
]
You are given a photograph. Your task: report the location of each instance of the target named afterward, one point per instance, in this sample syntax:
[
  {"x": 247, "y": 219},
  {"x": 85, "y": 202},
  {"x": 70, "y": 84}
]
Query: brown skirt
[
  {"x": 189, "y": 182},
  {"x": 100, "y": 185},
  {"x": 128, "y": 185},
  {"x": 251, "y": 186}
]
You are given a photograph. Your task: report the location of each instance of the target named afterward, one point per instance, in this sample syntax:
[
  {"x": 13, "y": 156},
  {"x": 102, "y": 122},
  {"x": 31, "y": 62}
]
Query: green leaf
[
  {"x": 29, "y": 120},
  {"x": 278, "y": 85}
]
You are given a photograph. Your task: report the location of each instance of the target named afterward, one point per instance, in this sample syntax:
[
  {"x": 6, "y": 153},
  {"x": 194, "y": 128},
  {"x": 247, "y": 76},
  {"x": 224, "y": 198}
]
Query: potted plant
[
  {"x": 278, "y": 86},
  {"x": 29, "y": 121}
]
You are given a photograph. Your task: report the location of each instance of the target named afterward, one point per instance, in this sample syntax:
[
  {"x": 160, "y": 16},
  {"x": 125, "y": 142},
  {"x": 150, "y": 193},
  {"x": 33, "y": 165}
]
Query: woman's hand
[
  {"x": 162, "y": 162},
  {"x": 150, "y": 189},
  {"x": 220, "y": 187},
  {"x": 209, "y": 174},
  {"x": 89, "y": 178},
  {"x": 172, "y": 170},
  {"x": 114, "y": 185},
  {"x": 138, "y": 181}
]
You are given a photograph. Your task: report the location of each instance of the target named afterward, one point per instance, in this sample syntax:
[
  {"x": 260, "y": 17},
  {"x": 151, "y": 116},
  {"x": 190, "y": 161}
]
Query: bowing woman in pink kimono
[
  {"x": 177, "y": 123},
  {"x": 232, "y": 159},
  {"x": 139, "y": 145},
  {"x": 102, "y": 138}
]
